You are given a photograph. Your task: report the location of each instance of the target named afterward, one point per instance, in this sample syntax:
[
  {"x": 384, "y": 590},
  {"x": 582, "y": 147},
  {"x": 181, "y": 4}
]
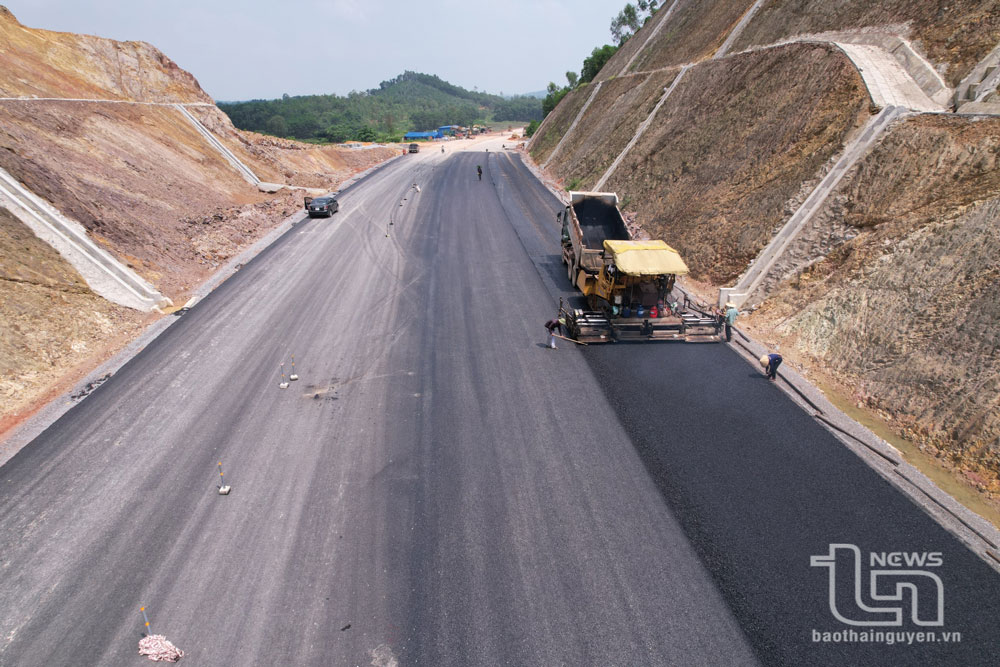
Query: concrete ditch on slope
[
  {"x": 104, "y": 274},
  {"x": 642, "y": 128},
  {"x": 22, "y": 434},
  {"x": 572, "y": 125},
  {"x": 753, "y": 278},
  {"x": 244, "y": 170}
]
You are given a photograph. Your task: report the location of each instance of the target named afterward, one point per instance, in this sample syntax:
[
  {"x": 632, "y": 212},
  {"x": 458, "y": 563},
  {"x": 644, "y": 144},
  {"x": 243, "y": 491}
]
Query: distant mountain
[{"x": 410, "y": 101}]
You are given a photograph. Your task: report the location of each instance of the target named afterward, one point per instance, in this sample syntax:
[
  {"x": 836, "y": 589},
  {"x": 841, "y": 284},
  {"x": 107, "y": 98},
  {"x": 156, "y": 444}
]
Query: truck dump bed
[{"x": 599, "y": 220}]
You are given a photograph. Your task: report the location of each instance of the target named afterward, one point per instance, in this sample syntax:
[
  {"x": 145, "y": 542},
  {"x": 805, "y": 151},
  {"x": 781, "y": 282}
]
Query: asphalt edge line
[
  {"x": 952, "y": 509},
  {"x": 834, "y": 427},
  {"x": 938, "y": 502}
]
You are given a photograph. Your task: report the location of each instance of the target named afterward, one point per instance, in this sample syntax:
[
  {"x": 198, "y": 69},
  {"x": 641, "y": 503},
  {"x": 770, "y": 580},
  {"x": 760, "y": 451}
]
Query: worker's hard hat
[
  {"x": 730, "y": 304},
  {"x": 562, "y": 320},
  {"x": 764, "y": 361}
]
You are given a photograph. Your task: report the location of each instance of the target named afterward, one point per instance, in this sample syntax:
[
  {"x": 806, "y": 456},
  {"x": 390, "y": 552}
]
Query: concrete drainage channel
[
  {"x": 973, "y": 530},
  {"x": 104, "y": 274}
]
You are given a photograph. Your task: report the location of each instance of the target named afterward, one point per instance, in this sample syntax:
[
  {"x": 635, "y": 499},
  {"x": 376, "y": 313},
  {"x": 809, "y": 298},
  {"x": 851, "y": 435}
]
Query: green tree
[
  {"x": 277, "y": 125},
  {"x": 339, "y": 133},
  {"x": 555, "y": 95},
  {"x": 521, "y": 107},
  {"x": 625, "y": 24},
  {"x": 531, "y": 129},
  {"x": 410, "y": 101},
  {"x": 572, "y": 78},
  {"x": 595, "y": 61},
  {"x": 631, "y": 18}
]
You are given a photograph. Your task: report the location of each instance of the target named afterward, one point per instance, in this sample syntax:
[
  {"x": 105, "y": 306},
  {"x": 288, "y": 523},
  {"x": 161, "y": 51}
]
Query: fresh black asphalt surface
[{"x": 438, "y": 488}]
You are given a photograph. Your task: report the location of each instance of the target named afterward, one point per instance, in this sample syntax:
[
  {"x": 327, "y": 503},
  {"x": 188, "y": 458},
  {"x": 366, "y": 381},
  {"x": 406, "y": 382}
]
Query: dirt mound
[
  {"x": 954, "y": 35},
  {"x": 557, "y": 123},
  {"x": 609, "y": 124},
  {"x": 42, "y": 63},
  {"x": 277, "y": 160},
  {"x": 695, "y": 31}
]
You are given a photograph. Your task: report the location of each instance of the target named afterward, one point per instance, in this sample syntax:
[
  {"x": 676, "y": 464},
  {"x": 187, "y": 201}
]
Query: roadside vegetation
[{"x": 408, "y": 102}]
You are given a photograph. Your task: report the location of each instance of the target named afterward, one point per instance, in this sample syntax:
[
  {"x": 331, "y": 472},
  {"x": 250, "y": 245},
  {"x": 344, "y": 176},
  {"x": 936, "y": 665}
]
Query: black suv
[{"x": 325, "y": 206}]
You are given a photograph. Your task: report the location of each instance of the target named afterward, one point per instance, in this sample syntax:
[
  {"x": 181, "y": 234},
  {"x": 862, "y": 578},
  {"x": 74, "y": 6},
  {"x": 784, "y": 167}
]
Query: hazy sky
[{"x": 244, "y": 49}]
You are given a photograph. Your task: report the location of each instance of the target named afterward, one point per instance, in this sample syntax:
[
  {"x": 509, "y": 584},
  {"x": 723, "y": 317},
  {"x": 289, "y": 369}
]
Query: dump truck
[{"x": 627, "y": 285}]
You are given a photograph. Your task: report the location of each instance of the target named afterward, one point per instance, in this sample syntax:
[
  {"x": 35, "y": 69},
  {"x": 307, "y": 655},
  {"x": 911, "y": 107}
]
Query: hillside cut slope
[
  {"x": 891, "y": 288},
  {"x": 42, "y": 63},
  {"x": 96, "y": 133}
]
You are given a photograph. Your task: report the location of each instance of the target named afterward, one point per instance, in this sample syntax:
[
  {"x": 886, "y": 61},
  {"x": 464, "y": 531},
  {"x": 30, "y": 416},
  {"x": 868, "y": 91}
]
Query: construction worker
[
  {"x": 553, "y": 325},
  {"x": 731, "y": 314},
  {"x": 770, "y": 363},
  {"x": 479, "y": 170}
]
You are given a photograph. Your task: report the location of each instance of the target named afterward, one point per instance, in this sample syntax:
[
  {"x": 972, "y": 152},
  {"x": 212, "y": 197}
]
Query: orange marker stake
[
  {"x": 145, "y": 618},
  {"x": 284, "y": 383},
  {"x": 294, "y": 376}
]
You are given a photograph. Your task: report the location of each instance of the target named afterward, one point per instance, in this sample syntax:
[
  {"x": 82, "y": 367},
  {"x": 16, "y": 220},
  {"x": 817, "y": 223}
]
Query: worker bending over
[
  {"x": 770, "y": 362},
  {"x": 553, "y": 326}
]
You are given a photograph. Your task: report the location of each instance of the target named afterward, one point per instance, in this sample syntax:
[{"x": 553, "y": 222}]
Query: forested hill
[{"x": 411, "y": 101}]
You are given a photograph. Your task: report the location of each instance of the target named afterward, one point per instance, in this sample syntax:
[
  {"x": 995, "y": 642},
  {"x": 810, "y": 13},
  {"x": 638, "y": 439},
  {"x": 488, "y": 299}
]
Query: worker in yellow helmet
[{"x": 770, "y": 362}]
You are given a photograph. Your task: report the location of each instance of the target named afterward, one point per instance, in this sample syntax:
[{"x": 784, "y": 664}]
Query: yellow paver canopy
[{"x": 646, "y": 258}]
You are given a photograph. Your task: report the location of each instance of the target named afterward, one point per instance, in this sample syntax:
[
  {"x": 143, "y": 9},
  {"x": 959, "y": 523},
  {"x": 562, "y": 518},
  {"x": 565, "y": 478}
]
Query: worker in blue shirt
[
  {"x": 770, "y": 362},
  {"x": 731, "y": 315}
]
